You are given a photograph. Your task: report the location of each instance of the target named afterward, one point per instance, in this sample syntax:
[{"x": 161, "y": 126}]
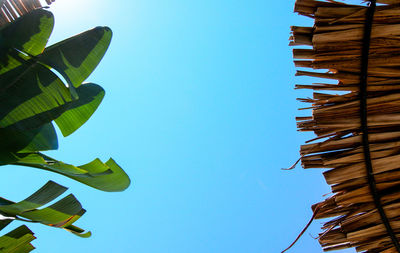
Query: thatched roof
[
  {"x": 12, "y": 9},
  {"x": 358, "y": 130}
]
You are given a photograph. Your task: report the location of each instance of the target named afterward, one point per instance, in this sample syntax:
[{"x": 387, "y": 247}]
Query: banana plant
[
  {"x": 33, "y": 97},
  {"x": 41, "y": 87}
]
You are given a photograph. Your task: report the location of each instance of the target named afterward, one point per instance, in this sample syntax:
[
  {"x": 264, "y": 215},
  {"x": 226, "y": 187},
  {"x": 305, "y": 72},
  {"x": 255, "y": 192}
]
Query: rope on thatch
[
  {"x": 13, "y": 9},
  {"x": 364, "y": 123},
  {"x": 363, "y": 195}
]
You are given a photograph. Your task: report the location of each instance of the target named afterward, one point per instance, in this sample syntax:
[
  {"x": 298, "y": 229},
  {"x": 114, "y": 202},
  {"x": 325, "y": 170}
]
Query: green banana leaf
[
  {"x": 38, "y": 96},
  {"x": 29, "y": 89},
  {"x": 31, "y": 97},
  {"x": 30, "y": 94},
  {"x": 47, "y": 193},
  {"x": 44, "y": 138},
  {"x": 76, "y": 58},
  {"x": 68, "y": 116},
  {"x": 17, "y": 241},
  {"x": 107, "y": 176},
  {"x": 80, "y": 110},
  {"x": 39, "y": 139},
  {"x": 11, "y": 158},
  {"x": 61, "y": 214},
  {"x": 28, "y": 35},
  {"x": 35, "y": 104},
  {"x": 4, "y": 223},
  {"x": 35, "y": 97}
]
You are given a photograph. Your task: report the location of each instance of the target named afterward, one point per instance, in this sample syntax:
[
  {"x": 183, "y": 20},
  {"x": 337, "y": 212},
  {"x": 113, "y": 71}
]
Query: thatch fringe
[
  {"x": 335, "y": 44},
  {"x": 12, "y": 9}
]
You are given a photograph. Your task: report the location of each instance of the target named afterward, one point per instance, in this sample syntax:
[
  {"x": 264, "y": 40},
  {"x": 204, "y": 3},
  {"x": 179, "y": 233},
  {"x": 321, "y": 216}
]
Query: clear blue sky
[{"x": 200, "y": 111}]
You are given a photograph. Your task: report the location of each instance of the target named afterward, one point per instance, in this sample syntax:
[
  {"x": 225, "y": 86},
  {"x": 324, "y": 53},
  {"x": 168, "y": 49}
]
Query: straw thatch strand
[{"x": 333, "y": 50}]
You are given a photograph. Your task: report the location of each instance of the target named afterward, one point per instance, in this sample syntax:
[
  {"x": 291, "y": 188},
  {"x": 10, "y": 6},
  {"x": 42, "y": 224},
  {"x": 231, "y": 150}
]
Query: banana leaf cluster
[{"x": 41, "y": 87}]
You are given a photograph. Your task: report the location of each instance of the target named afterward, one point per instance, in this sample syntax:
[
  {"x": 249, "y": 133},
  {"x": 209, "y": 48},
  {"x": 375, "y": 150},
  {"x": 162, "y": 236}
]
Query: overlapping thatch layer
[
  {"x": 335, "y": 46},
  {"x": 12, "y": 9}
]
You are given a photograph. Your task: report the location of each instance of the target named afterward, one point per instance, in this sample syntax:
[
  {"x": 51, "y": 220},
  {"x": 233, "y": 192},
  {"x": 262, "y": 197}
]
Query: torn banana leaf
[
  {"x": 61, "y": 214},
  {"x": 107, "y": 176}
]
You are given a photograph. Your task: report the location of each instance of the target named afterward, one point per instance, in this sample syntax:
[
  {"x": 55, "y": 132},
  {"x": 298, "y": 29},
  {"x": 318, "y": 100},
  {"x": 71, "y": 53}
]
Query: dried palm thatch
[
  {"x": 358, "y": 130},
  {"x": 12, "y": 9}
]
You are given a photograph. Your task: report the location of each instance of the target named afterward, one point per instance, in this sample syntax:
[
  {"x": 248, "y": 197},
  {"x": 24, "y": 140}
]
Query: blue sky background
[{"x": 200, "y": 111}]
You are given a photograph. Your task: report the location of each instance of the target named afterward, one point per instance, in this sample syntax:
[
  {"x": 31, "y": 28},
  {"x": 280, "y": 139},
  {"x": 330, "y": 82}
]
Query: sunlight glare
[{"x": 77, "y": 11}]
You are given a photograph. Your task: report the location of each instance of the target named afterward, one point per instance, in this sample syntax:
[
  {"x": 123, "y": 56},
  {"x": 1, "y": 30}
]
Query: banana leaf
[
  {"x": 28, "y": 88},
  {"x": 31, "y": 97},
  {"x": 80, "y": 110},
  {"x": 28, "y": 35},
  {"x": 17, "y": 241},
  {"x": 30, "y": 94},
  {"x": 76, "y": 58},
  {"x": 35, "y": 97},
  {"x": 61, "y": 214},
  {"x": 107, "y": 176},
  {"x": 18, "y": 137},
  {"x": 39, "y": 139}
]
